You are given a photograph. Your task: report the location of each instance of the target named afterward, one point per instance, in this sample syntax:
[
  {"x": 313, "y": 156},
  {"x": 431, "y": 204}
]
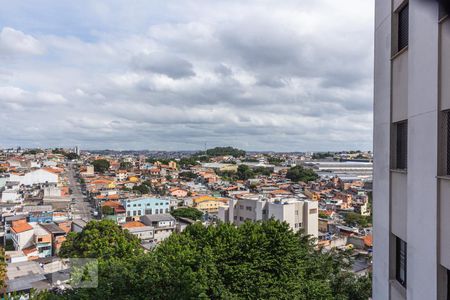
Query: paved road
[{"x": 80, "y": 209}]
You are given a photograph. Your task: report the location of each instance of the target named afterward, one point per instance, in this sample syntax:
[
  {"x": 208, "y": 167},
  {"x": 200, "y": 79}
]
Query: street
[{"x": 80, "y": 209}]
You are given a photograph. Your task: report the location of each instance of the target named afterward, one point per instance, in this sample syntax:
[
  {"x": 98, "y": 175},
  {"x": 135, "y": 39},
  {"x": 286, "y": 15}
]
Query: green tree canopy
[
  {"x": 101, "y": 239},
  {"x": 143, "y": 188},
  {"x": 100, "y": 165},
  {"x": 72, "y": 155},
  {"x": 257, "y": 260},
  {"x": 2, "y": 268},
  {"x": 244, "y": 172},
  {"x": 223, "y": 151},
  {"x": 357, "y": 220},
  {"x": 187, "y": 212},
  {"x": 299, "y": 173}
]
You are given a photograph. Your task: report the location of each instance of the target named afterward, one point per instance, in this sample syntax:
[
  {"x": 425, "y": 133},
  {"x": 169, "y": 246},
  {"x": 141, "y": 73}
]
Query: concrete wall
[
  {"x": 422, "y": 150},
  {"x": 399, "y": 204},
  {"x": 381, "y": 146},
  {"x": 400, "y": 87}
]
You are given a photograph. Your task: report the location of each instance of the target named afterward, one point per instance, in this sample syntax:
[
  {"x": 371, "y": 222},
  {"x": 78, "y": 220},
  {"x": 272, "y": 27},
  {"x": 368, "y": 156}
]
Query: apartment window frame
[
  {"x": 401, "y": 261},
  {"x": 443, "y": 14},
  {"x": 402, "y": 27},
  {"x": 400, "y": 145}
]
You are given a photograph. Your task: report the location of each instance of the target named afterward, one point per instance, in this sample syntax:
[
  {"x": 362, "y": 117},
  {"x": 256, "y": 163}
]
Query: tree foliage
[
  {"x": 187, "y": 212},
  {"x": 261, "y": 260},
  {"x": 101, "y": 165},
  {"x": 2, "y": 268},
  {"x": 72, "y": 155},
  {"x": 299, "y": 173},
  {"x": 244, "y": 172},
  {"x": 143, "y": 188},
  {"x": 225, "y": 151},
  {"x": 101, "y": 239},
  {"x": 357, "y": 220}
]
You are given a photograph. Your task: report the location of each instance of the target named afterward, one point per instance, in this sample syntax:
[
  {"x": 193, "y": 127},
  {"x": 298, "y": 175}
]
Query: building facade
[
  {"x": 145, "y": 206},
  {"x": 299, "y": 214},
  {"x": 411, "y": 150}
]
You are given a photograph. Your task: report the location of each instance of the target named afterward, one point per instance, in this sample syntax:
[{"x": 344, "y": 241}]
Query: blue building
[
  {"x": 145, "y": 206},
  {"x": 39, "y": 213}
]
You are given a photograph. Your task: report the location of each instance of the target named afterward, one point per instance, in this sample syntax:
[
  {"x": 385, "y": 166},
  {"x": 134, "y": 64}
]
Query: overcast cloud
[{"x": 291, "y": 75}]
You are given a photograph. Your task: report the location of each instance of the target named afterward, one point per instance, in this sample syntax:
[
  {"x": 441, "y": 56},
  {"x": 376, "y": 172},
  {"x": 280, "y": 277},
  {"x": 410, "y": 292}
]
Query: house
[
  {"x": 143, "y": 232},
  {"x": 22, "y": 234},
  {"x": 113, "y": 210},
  {"x": 208, "y": 203},
  {"x": 178, "y": 192},
  {"x": 164, "y": 225},
  {"x": 32, "y": 239},
  {"x": 78, "y": 225},
  {"x": 39, "y": 213},
  {"x": 58, "y": 236}
]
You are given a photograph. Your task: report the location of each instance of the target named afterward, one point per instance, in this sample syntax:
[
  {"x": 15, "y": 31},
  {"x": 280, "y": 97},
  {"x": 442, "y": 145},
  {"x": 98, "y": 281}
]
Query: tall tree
[
  {"x": 257, "y": 260},
  {"x": 101, "y": 165},
  {"x": 299, "y": 173},
  {"x": 101, "y": 239}
]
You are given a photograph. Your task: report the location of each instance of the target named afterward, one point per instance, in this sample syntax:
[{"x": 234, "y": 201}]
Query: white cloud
[
  {"x": 264, "y": 75},
  {"x": 13, "y": 41}
]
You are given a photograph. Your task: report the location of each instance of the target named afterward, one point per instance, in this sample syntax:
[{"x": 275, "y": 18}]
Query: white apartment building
[
  {"x": 299, "y": 214},
  {"x": 411, "y": 151}
]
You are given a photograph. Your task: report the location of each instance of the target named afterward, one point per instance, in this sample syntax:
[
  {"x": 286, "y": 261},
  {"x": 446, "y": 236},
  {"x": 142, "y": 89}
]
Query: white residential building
[
  {"x": 299, "y": 214},
  {"x": 411, "y": 186}
]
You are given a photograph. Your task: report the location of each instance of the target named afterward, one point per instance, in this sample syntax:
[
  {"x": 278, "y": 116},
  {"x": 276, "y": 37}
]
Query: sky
[{"x": 268, "y": 75}]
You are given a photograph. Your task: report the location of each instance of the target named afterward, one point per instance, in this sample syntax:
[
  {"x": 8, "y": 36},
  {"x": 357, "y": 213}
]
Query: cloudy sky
[{"x": 291, "y": 75}]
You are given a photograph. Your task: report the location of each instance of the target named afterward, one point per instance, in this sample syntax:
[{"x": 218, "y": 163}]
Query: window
[
  {"x": 443, "y": 12},
  {"x": 241, "y": 206},
  {"x": 167, "y": 210},
  {"x": 148, "y": 211},
  {"x": 241, "y": 219},
  {"x": 403, "y": 27},
  {"x": 128, "y": 214},
  {"x": 401, "y": 145},
  {"x": 264, "y": 212},
  {"x": 134, "y": 205},
  {"x": 134, "y": 213},
  {"x": 400, "y": 261},
  {"x": 161, "y": 211},
  {"x": 139, "y": 212},
  {"x": 446, "y": 142},
  {"x": 235, "y": 217},
  {"x": 448, "y": 284},
  {"x": 249, "y": 208}
]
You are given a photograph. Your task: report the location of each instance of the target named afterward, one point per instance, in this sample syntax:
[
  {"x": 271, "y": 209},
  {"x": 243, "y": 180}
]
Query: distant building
[
  {"x": 299, "y": 214},
  {"x": 209, "y": 204},
  {"x": 164, "y": 225},
  {"x": 145, "y": 206}
]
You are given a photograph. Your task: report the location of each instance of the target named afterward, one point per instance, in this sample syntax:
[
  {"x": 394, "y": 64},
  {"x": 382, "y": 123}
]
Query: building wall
[
  {"x": 141, "y": 207},
  {"x": 406, "y": 203},
  {"x": 381, "y": 149}
]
